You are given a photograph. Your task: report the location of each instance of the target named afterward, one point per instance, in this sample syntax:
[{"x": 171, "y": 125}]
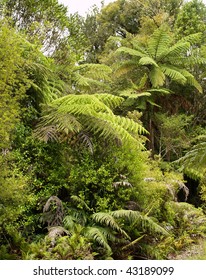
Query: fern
[
  {"x": 72, "y": 113},
  {"x": 109, "y": 221},
  {"x": 157, "y": 77},
  {"x": 96, "y": 234},
  {"x": 174, "y": 73},
  {"x": 158, "y": 43},
  {"x": 136, "y": 218},
  {"x": 147, "y": 61},
  {"x": 176, "y": 50},
  {"x": 130, "y": 51},
  {"x": 194, "y": 161}
]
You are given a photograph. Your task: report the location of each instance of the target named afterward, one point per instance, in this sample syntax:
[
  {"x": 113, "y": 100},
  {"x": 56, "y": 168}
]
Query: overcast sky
[{"x": 82, "y": 6}]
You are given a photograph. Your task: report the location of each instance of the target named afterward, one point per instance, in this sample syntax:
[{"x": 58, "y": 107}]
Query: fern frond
[
  {"x": 125, "y": 67},
  {"x": 173, "y": 73},
  {"x": 191, "y": 80},
  {"x": 176, "y": 50},
  {"x": 158, "y": 43},
  {"x": 136, "y": 217},
  {"x": 109, "y": 100},
  {"x": 192, "y": 38},
  {"x": 91, "y": 112},
  {"x": 95, "y": 233},
  {"x": 130, "y": 51},
  {"x": 157, "y": 77},
  {"x": 147, "y": 61},
  {"x": 131, "y": 93},
  {"x": 109, "y": 221},
  {"x": 160, "y": 90},
  {"x": 80, "y": 202},
  {"x": 95, "y": 71}
]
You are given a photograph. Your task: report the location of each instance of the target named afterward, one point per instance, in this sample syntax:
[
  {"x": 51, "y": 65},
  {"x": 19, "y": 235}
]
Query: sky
[{"x": 82, "y": 6}]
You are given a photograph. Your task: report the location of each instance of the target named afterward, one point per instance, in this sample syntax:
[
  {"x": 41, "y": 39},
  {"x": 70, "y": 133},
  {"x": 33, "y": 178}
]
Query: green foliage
[
  {"x": 163, "y": 59},
  {"x": 174, "y": 135},
  {"x": 92, "y": 113},
  {"x": 13, "y": 81},
  {"x": 191, "y": 19}
]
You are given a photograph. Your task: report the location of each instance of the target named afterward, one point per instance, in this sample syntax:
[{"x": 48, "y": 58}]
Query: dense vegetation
[{"x": 102, "y": 129}]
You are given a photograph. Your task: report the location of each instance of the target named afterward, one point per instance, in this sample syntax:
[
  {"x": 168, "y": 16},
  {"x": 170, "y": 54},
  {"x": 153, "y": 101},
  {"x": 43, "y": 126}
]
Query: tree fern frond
[
  {"x": 96, "y": 71},
  {"x": 157, "y": 77},
  {"x": 125, "y": 67},
  {"x": 92, "y": 113},
  {"x": 147, "y": 61},
  {"x": 94, "y": 233},
  {"x": 109, "y": 221},
  {"x": 158, "y": 43},
  {"x": 160, "y": 90},
  {"x": 134, "y": 217},
  {"x": 46, "y": 133},
  {"x": 176, "y": 50},
  {"x": 192, "y": 38},
  {"x": 148, "y": 224},
  {"x": 80, "y": 202},
  {"x": 174, "y": 73},
  {"x": 195, "y": 158},
  {"x": 86, "y": 140},
  {"x": 84, "y": 104},
  {"x": 109, "y": 100},
  {"x": 191, "y": 79},
  {"x": 131, "y": 93},
  {"x": 130, "y": 51}
]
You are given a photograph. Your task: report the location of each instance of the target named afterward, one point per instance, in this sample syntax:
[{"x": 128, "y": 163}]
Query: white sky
[{"x": 82, "y": 6}]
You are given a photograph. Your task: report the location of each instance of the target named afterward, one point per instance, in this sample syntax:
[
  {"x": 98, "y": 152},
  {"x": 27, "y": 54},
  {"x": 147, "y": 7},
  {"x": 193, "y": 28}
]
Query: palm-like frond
[
  {"x": 92, "y": 113},
  {"x": 195, "y": 159},
  {"x": 130, "y": 51},
  {"x": 135, "y": 217},
  {"x": 96, "y": 234},
  {"x": 162, "y": 58},
  {"x": 146, "y": 60},
  {"x": 158, "y": 43},
  {"x": 157, "y": 77},
  {"x": 191, "y": 79},
  {"x": 192, "y": 38},
  {"x": 174, "y": 73},
  {"x": 80, "y": 202},
  {"x": 175, "y": 50},
  {"x": 109, "y": 221},
  {"x": 95, "y": 71}
]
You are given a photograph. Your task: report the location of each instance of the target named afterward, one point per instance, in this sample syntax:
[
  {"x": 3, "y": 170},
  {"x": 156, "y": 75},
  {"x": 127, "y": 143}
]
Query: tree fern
[
  {"x": 95, "y": 234},
  {"x": 108, "y": 220},
  {"x": 72, "y": 113},
  {"x": 174, "y": 73},
  {"x": 136, "y": 218},
  {"x": 159, "y": 41},
  {"x": 194, "y": 161},
  {"x": 163, "y": 58}
]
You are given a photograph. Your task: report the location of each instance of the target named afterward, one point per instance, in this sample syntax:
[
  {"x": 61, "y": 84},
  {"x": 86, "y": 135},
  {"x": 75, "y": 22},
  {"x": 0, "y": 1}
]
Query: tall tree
[
  {"x": 161, "y": 62},
  {"x": 191, "y": 19},
  {"x": 44, "y": 21}
]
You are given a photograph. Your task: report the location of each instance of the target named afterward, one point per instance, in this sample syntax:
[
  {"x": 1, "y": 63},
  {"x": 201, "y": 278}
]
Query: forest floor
[{"x": 194, "y": 252}]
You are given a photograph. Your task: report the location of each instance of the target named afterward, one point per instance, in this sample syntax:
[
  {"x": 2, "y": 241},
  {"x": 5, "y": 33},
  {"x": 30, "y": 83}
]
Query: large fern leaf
[
  {"x": 158, "y": 43},
  {"x": 92, "y": 113},
  {"x": 95, "y": 233},
  {"x": 108, "y": 220},
  {"x": 174, "y": 73},
  {"x": 130, "y": 51},
  {"x": 157, "y": 77}
]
